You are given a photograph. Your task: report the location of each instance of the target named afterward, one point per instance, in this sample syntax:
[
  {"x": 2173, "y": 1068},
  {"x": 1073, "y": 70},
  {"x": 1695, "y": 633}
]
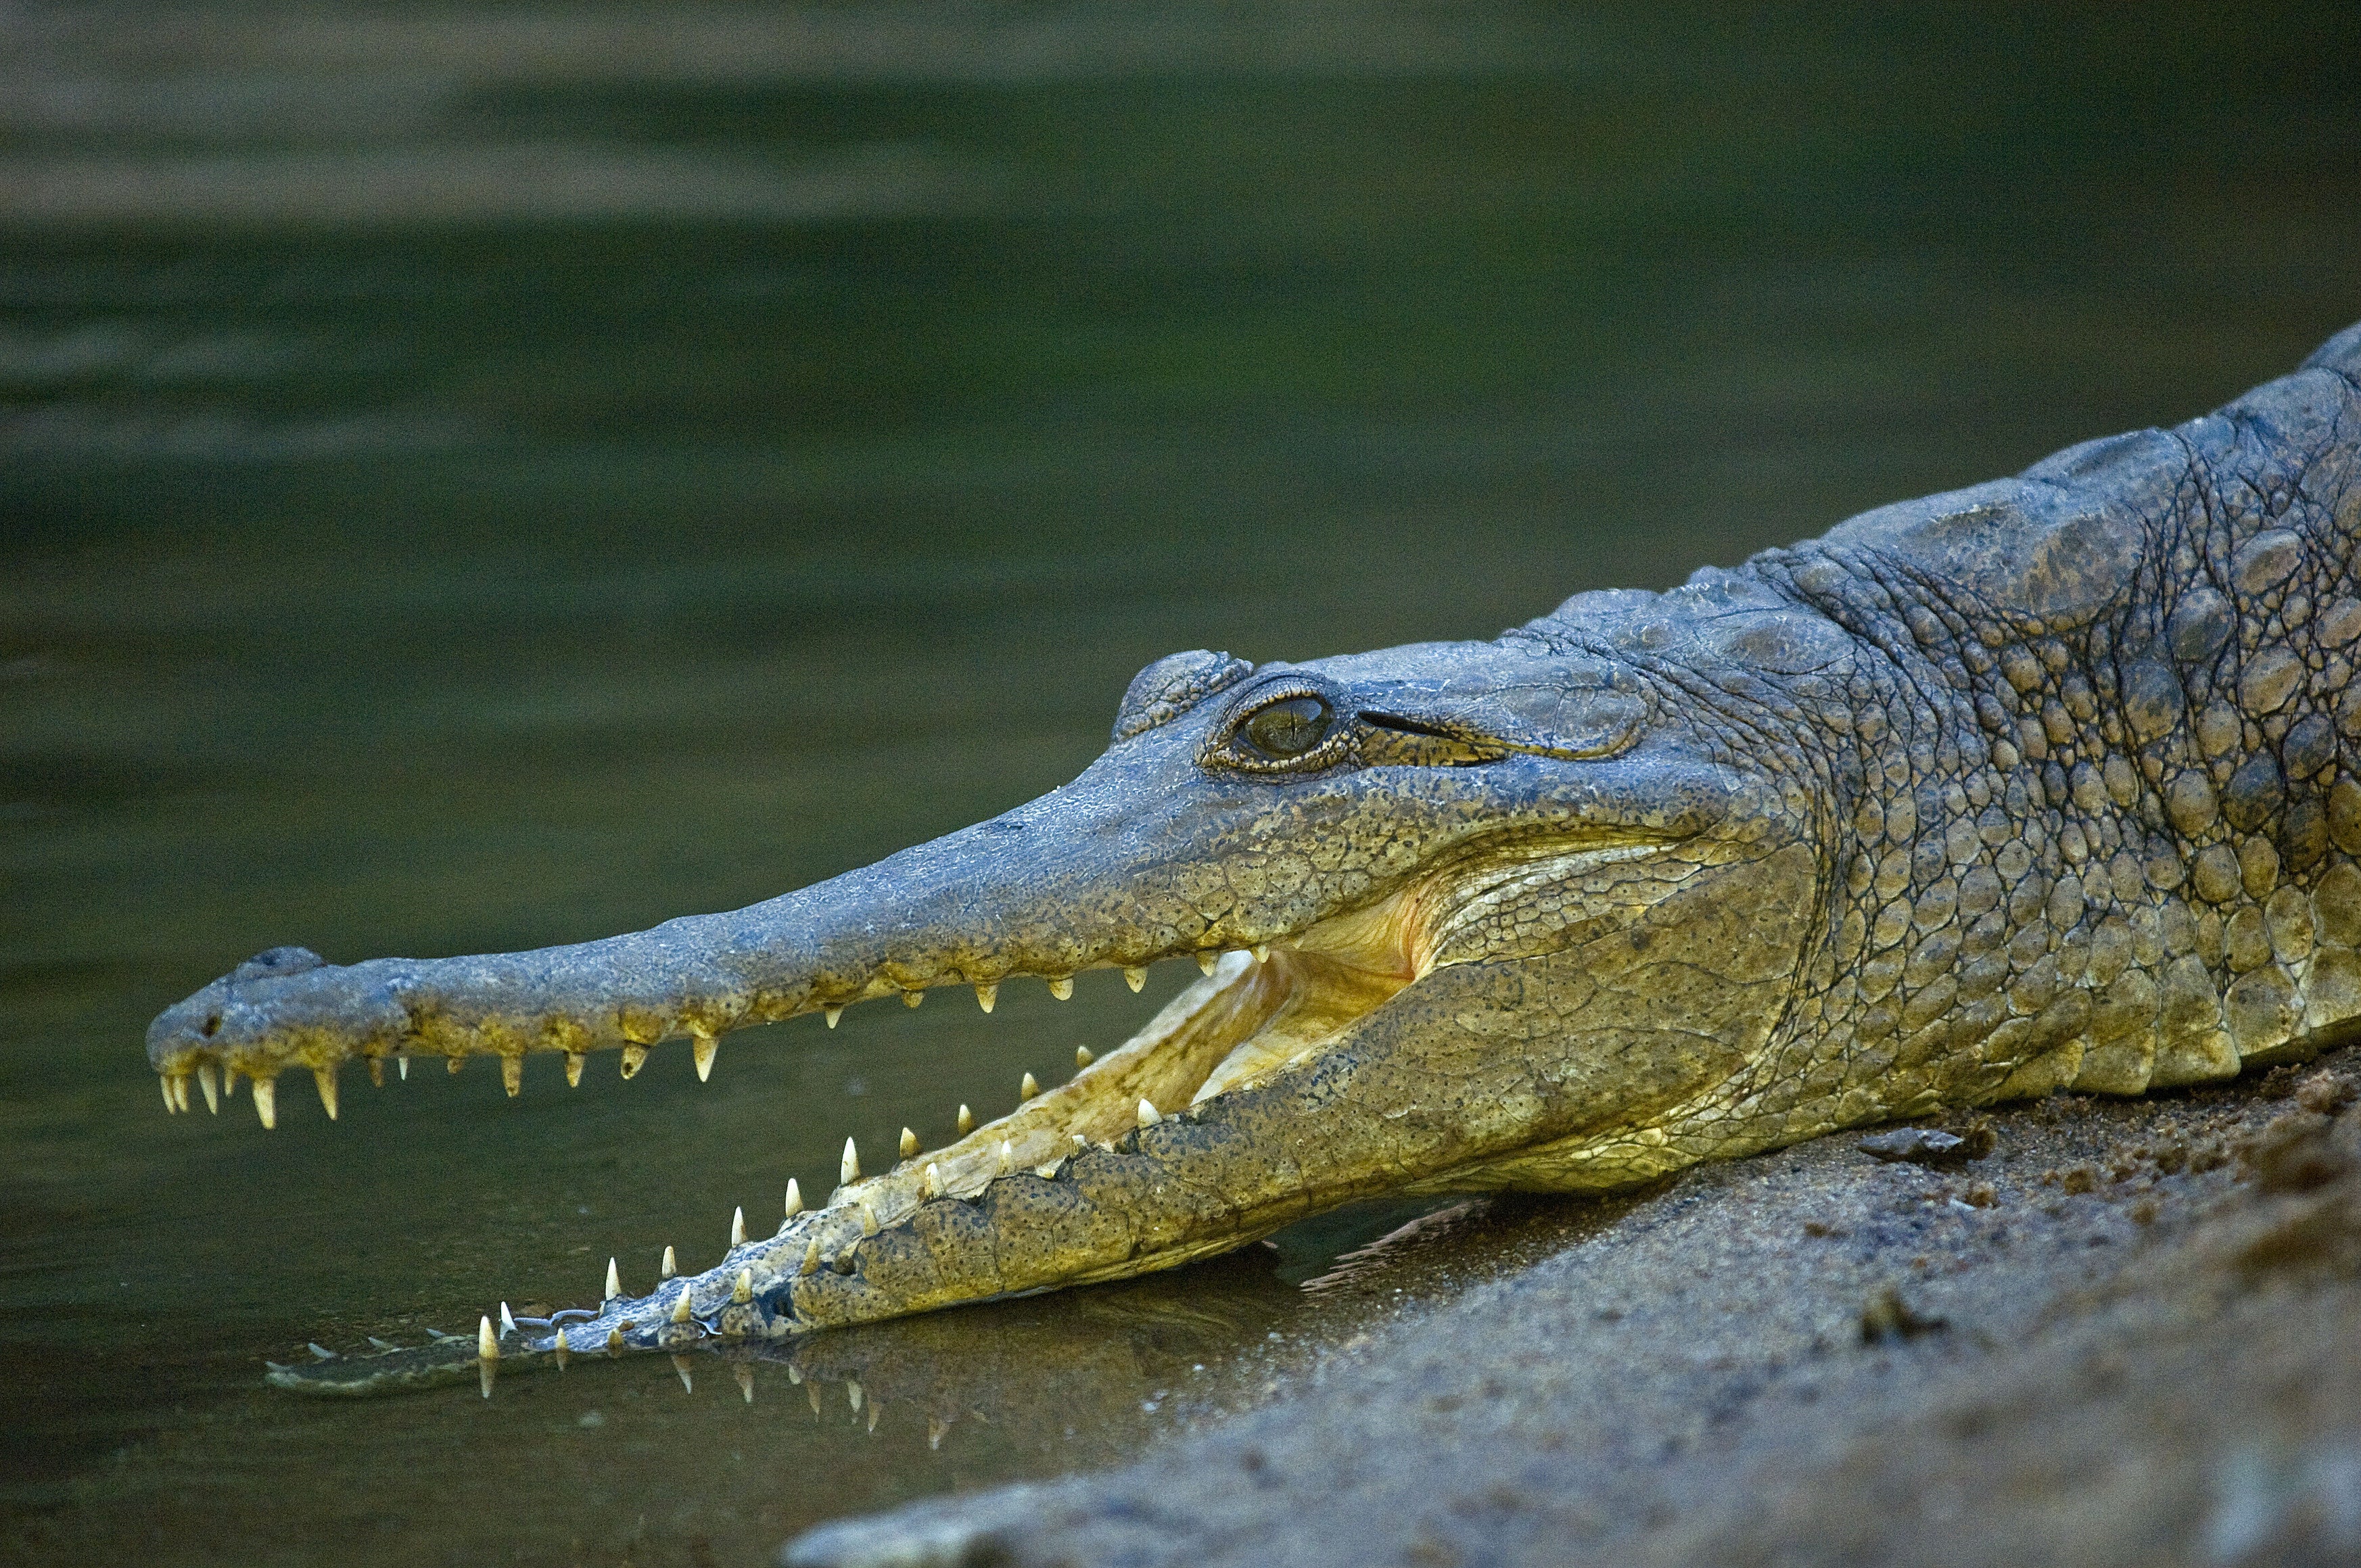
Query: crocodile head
[{"x": 1471, "y": 915}]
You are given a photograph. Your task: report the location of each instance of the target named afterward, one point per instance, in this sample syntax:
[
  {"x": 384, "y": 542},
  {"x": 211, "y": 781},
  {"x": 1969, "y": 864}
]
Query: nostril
[{"x": 213, "y": 1026}]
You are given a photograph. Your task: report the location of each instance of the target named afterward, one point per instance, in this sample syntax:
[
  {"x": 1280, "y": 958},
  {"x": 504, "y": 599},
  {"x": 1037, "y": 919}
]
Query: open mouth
[{"x": 1255, "y": 1014}]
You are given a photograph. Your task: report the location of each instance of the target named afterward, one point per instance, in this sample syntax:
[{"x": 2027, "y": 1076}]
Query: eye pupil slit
[{"x": 1290, "y": 727}]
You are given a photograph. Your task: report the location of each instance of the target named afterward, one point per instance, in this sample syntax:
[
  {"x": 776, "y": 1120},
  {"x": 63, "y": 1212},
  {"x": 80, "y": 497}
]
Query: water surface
[{"x": 476, "y": 478}]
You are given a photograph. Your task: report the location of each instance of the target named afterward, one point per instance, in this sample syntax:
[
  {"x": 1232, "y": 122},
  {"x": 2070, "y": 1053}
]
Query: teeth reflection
[
  {"x": 206, "y": 1083},
  {"x": 512, "y": 1074},
  {"x": 680, "y": 1365},
  {"x": 745, "y": 1380}
]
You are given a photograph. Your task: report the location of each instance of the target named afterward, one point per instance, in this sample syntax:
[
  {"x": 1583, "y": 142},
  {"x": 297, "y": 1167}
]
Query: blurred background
[{"x": 483, "y": 475}]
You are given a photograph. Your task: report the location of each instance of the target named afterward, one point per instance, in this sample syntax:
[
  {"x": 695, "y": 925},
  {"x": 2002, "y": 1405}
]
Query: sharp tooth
[
  {"x": 229, "y": 1081},
  {"x": 401, "y": 1066},
  {"x": 909, "y": 1144},
  {"x": 574, "y": 1061},
  {"x": 507, "y": 1320},
  {"x": 737, "y": 1226},
  {"x": 614, "y": 1282},
  {"x": 1134, "y": 976},
  {"x": 488, "y": 1344},
  {"x": 810, "y": 1263},
  {"x": 1147, "y": 1116},
  {"x": 1205, "y": 960},
  {"x": 1007, "y": 1156},
  {"x": 376, "y": 1073},
  {"x": 1062, "y": 987},
  {"x": 1028, "y": 1088},
  {"x": 1080, "y": 1142},
  {"x": 669, "y": 1267},
  {"x": 680, "y": 1309},
  {"x": 206, "y": 1083},
  {"x": 743, "y": 1290},
  {"x": 701, "y": 1048},
  {"x": 181, "y": 1091},
  {"x": 512, "y": 1074},
  {"x": 614, "y": 1342},
  {"x": 164, "y": 1082},
  {"x": 634, "y": 1058},
  {"x": 853, "y": 1394},
  {"x": 1262, "y": 952},
  {"x": 868, "y": 1219},
  {"x": 848, "y": 1170},
  {"x": 833, "y": 1013},
  {"x": 265, "y": 1101},
  {"x": 745, "y": 1380},
  {"x": 966, "y": 1121},
  {"x": 680, "y": 1365},
  {"x": 795, "y": 1199},
  {"x": 986, "y": 995},
  {"x": 795, "y": 1374},
  {"x": 912, "y": 998},
  {"x": 930, "y": 1183},
  {"x": 453, "y": 1065},
  {"x": 561, "y": 1347},
  {"x": 325, "y": 1077},
  {"x": 1082, "y": 1057}
]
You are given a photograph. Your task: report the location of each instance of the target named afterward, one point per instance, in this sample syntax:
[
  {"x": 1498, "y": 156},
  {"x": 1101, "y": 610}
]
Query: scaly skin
[{"x": 2055, "y": 781}]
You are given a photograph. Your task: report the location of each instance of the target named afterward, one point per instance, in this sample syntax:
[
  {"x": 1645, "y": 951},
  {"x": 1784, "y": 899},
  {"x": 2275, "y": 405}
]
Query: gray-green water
[{"x": 482, "y": 478}]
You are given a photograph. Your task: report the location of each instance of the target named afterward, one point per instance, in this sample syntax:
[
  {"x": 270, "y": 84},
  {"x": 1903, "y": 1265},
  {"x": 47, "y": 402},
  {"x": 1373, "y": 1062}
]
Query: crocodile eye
[{"x": 1290, "y": 727}]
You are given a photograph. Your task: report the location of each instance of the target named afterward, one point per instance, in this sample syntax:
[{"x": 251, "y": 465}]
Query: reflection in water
[{"x": 473, "y": 478}]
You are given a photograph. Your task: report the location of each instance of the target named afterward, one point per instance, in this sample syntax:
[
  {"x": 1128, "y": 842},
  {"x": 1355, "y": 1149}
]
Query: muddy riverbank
[{"x": 2124, "y": 1336}]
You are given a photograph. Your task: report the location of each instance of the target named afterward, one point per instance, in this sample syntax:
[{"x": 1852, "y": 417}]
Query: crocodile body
[{"x": 2050, "y": 783}]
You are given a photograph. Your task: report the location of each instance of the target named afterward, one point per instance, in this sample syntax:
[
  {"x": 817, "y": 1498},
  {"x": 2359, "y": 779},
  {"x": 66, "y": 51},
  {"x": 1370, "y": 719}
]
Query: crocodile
[{"x": 2053, "y": 782}]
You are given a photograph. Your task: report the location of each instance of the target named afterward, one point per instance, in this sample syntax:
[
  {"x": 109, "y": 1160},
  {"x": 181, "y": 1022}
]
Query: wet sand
[{"x": 2124, "y": 1336}]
